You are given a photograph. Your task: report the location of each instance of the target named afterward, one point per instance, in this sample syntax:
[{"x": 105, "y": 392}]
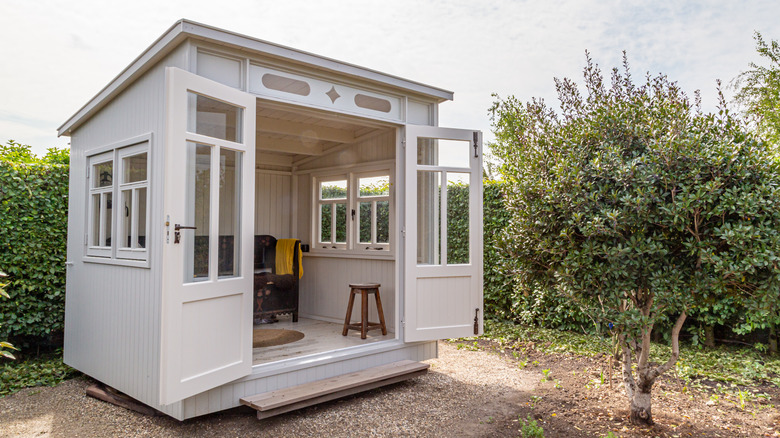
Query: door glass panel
[
  {"x": 141, "y": 194},
  {"x": 198, "y": 213},
  {"x": 374, "y": 186},
  {"x": 445, "y": 153},
  {"x": 365, "y": 222},
  {"x": 333, "y": 189},
  {"x": 107, "y": 206},
  {"x": 458, "y": 212},
  {"x": 326, "y": 218},
  {"x": 428, "y": 217},
  {"x": 214, "y": 118},
  {"x": 103, "y": 174},
  {"x": 341, "y": 223},
  {"x": 134, "y": 168},
  {"x": 383, "y": 222},
  {"x": 229, "y": 212},
  {"x": 126, "y": 219}
]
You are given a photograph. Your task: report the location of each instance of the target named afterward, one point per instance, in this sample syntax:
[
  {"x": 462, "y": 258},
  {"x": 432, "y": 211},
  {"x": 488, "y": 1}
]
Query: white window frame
[
  {"x": 93, "y": 190},
  {"x": 132, "y": 252},
  {"x": 114, "y": 254},
  {"x": 373, "y": 245},
  {"x": 352, "y": 245}
]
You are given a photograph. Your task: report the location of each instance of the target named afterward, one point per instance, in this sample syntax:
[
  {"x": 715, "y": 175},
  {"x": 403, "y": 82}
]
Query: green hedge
[{"x": 33, "y": 231}]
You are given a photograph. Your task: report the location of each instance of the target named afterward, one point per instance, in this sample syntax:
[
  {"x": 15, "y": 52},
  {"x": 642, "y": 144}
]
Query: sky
[{"x": 56, "y": 55}]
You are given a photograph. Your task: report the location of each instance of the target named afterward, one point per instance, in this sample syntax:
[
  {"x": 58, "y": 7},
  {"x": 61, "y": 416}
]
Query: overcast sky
[{"x": 56, "y": 55}]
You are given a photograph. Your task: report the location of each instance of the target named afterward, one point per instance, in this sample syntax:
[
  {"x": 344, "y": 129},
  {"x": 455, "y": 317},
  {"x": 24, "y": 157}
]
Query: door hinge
[
  {"x": 403, "y": 322},
  {"x": 476, "y": 143},
  {"x": 403, "y": 144},
  {"x": 476, "y": 321},
  {"x": 403, "y": 232}
]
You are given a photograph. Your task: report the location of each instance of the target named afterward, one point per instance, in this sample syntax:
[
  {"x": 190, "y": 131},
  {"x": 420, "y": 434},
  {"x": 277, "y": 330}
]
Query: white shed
[{"x": 209, "y": 140}]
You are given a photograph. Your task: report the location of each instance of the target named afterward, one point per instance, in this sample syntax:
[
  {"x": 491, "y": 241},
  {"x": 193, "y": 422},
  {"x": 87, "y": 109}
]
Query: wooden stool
[{"x": 364, "y": 326}]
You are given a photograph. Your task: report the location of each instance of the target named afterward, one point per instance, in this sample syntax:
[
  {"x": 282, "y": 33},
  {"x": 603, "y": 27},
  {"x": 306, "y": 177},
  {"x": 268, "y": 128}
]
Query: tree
[
  {"x": 758, "y": 90},
  {"x": 633, "y": 204}
]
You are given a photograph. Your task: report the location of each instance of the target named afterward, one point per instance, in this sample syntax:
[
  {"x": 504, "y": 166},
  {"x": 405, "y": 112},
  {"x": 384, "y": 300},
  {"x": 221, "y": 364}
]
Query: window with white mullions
[
  {"x": 101, "y": 187},
  {"x": 332, "y": 212},
  {"x": 133, "y": 209},
  {"x": 373, "y": 211}
]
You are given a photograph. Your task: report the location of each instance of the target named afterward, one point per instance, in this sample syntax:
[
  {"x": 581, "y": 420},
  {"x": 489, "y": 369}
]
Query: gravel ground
[{"x": 466, "y": 393}]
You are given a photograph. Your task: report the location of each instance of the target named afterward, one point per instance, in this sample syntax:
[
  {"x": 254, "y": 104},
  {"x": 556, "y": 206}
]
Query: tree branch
[{"x": 675, "y": 348}]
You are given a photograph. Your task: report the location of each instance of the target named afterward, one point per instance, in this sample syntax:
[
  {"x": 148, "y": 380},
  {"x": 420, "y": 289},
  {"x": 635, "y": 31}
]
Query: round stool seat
[{"x": 364, "y": 286}]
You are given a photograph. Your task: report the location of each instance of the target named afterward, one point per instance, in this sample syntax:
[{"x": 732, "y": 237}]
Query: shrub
[{"x": 33, "y": 230}]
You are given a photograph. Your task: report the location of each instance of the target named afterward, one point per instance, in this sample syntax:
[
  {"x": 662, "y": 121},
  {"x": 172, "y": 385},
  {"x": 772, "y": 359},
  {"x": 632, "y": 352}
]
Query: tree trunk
[
  {"x": 641, "y": 413},
  {"x": 709, "y": 336},
  {"x": 772, "y": 339}
]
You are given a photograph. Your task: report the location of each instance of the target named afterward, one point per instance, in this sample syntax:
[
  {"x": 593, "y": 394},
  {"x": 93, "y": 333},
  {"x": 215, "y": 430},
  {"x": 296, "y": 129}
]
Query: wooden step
[{"x": 289, "y": 399}]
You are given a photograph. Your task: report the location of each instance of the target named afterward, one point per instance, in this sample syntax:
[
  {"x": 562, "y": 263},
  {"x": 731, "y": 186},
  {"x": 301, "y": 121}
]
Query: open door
[
  {"x": 443, "y": 224},
  {"x": 209, "y": 165}
]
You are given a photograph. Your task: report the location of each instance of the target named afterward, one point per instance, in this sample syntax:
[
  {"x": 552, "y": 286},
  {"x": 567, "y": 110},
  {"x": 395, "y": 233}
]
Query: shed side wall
[{"x": 112, "y": 322}]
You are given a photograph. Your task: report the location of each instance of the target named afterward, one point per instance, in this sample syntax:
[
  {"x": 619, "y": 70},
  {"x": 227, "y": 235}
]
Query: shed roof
[{"x": 183, "y": 29}]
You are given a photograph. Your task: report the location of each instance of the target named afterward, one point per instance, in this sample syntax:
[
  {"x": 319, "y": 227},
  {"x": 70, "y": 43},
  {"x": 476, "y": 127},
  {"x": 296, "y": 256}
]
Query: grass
[
  {"x": 728, "y": 365},
  {"x": 45, "y": 370}
]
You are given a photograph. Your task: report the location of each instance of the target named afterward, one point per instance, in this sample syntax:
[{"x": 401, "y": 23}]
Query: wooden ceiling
[{"x": 307, "y": 132}]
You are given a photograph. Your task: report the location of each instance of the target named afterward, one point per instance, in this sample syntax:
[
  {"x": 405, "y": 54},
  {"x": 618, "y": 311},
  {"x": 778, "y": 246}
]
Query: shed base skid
[
  {"x": 297, "y": 397},
  {"x": 111, "y": 395}
]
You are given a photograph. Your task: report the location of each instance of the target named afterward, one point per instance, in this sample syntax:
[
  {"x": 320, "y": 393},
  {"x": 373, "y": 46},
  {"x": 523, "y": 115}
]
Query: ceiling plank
[
  {"x": 304, "y": 130},
  {"x": 290, "y": 146}
]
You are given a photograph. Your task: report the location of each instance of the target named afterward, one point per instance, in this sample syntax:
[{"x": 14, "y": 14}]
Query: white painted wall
[{"x": 112, "y": 323}]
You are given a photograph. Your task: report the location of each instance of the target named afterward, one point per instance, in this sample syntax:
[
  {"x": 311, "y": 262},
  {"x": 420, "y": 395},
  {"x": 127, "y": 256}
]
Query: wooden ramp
[{"x": 296, "y": 397}]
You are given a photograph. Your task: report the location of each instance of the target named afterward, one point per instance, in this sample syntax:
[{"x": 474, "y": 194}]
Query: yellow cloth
[{"x": 285, "y": 250}]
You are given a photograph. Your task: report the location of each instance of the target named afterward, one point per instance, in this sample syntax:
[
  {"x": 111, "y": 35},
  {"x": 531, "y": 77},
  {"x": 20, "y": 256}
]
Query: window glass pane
[
  {"x": 214, "y": 118},
  {"x": 333, "y": 189},
  {"x": 141, "y": 195},
  {"x": 325, "y": 223},
  {"x": 134, "y": 168},
  {"x": 198, "y": 212},
  {"x": 126, "y": 219},
  {"x": 374, "y": 186},
  {"x": 365, "y": 222},
  {"x": 107, "y": 207},
  {"x": 95, "y": 241},
  {"x": 428, "y": 220},
  {"x": 383, "y": 222},
  {"x": 446, "y": 153},
  {"x": 229, "y": 212},
  {"x": 103, "y": 174},
  {"x": 457, "y": 218},
  {"x": 341, "y": 223}
]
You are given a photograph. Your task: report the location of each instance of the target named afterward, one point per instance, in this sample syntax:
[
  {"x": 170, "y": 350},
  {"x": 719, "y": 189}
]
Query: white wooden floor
[{"x": 319, "y": 337}]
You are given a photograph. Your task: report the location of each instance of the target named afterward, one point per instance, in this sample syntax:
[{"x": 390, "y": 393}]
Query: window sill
[
  {"x": 343, "y": 254},
  {"x": 117, "y": 262}
]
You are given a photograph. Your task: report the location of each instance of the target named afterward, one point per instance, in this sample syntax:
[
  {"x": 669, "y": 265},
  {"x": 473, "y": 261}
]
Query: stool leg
[
  {"x": 349, "y": 312},
  {"x": 364, "y": 314},
  {"x": 380, "y": 312}
]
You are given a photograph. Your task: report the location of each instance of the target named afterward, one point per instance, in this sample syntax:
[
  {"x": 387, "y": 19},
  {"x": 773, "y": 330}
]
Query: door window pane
[
  {"x": 211, "y": 117},
  {"x": 457, "y": 218},
  {"x": 333, "y": 189},
  {"x": 229, "y": 212},
  {"x": 198, "y": 212},
  {"x": 134, "y": 168},
  {"x": 428, "y": 217},
  {"x": 103, "y": 174},
  {"x": 445, "y": 153}
]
